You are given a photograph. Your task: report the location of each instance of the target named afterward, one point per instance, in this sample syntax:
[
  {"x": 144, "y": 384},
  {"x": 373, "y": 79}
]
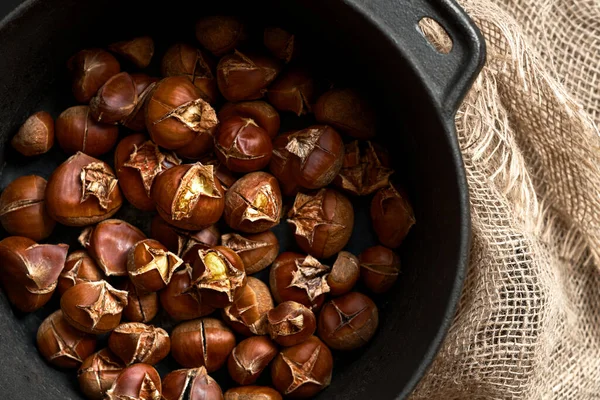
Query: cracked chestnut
[
  {"x": 281, "y": 165},
  {"x": 220, "y": 34},
  {"x": 90, "y": 69},
  {"x": 281, "y": 43},
  {"x": 138, "y": 381},
  {"x": 379, "y": 268},
  {"x": 348, "y": 111},
  {"x": 141, "y": 306},
  {"x": 223, "y": 174},
  {"x": 115, "y": 100},
  {"x": 98, "y": 372},
  {"x": 76, "y": 130},
  {"x": 150, "y": 265},
  {"x": 291, "y": 323},
  {"x": 345, "y": 272},
  {"x": 79, "y": 267},
  {"x": 261, "y": 112},
  {"x": 252, "y": 393},
  {"x": 35, "y": 136},
  {"x": 247, "y": 315},
  {"x": 245, "y": 76},
  {"x": 250, "y": 358},
  {"x": 392, "y": 216},
  {"x": 257, "y": 251},
  {"x": 365, "y": 169},
  {"x": 294, "y": 91},
  {"x": 138, "y": 51},
  {"x": 136, "y": 121},
  {"x": 191, "y": 384},
  {"x": 181, "y": 300},
  {"x": 135, "y": 342}
]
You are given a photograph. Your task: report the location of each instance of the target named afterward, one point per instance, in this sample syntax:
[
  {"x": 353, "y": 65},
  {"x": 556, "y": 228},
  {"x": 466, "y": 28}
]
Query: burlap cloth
[{"x": 528, "y": 323}]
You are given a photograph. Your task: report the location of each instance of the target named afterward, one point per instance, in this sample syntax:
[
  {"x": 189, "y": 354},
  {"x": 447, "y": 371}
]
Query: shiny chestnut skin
[
  {"x": 93, "y": 307},
  {"x": 22, "y": 208},
  {"x": 79, "y": 267},
  {"x": 115, "y": 100},
  {"x": 76, "y": 130},
  {"x": 176, "y": 113},
  {"x": 247, "y": 314},
  {"x": 253, "y": 204},
  {"x": 189, "y": 196},
  {"x": 191, "y": 384},
  {"x": 348, "y": 111},
  {"x": 281, "y": 165},
  {"x": 138, "y": 381},
  {"x": 181, "y": 300},
  {"x": 135, "y": 342},
  {"x": 280, "y": 43},
  {"x": 322, "y": 222},
  {"x": 250, "y": 358},
  {"x": 138, "y": 51},
  {"x": 136, "y": 121},
  {"x": 348, "y": 322},
  {"x": 90, "y": 69},
  {"x": 150, "y": 265},
  {"x": 220, "y": 34},
  {"x": 109, "y": 243},
  {"x": 141, "y": 306},
  {"x": 303, "y": 370},
  {"x": 245, "y": 76},
  {"x": 201, "y": 342},
  {"x": 35, "y": 136},
  {"x": 98, "y": 372},
  {"x": 379, "y": 268},
  {"x": 257, "y": 251},
  {"x": 61, "y": 344},
  {"x": 294, "y": 91},
  {"x": 261, "y": 112},
  {"x": 201, "y": 146},
  {"x": 82, "y": 191},
  {"x": 252, "y": 393},
  {"x": 344, "y": 274},
  {"x": 392, "y": 216},
  {"x": 291, "y": 323},
  {"x": 242, "y": 145}
]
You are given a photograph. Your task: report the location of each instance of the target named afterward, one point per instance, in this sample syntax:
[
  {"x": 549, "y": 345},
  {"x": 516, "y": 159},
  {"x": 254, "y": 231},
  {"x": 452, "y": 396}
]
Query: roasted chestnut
[
  {"x": 201, "y": 146},
  {"x": 76, "y": 130},
  {"x": 379, "y": 268},
  {"x": 98, "y": 372},
  {"x": 348, "y": 111},
  {"x": 138, "y": 381},
  {"x": 281, "y": 165},
  {"x": 248, "y": 313},
  {"x": 90, "y": 69},
  {"x": 294, "y": 90},
  {"x": 138, "y": 50},
  {"x": 220, "y": 34},
  {"x": 181, "y": 299},
  {"x": 135, "y": 342},
  {"x": 257, "y": 251},
  {"x": 250, "y": 358},
  {"x": 141, "y": 306},
  {"x": 344, "y": 273},
  {"x": 281, "y": 43},
  {"x": 35, "y": 136},
  {"x": 191, "y": 384},
  {"x": 115, "y": 100},
  {"x": 150, "y": 265},
  {"x": 79, "y": 267},
  {"x": 245, "y": 76},
  {"x": 252, "y": 393},
  {"x": 143, "y": 87},
  {"x": 392, "y": 216},
  {"x": 261, "y": 112},
  {"x": 291, "y": 323}
]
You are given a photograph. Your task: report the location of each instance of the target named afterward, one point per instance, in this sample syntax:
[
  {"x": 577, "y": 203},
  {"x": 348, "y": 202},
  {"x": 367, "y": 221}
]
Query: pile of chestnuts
[{"x": 200, "y": 151}]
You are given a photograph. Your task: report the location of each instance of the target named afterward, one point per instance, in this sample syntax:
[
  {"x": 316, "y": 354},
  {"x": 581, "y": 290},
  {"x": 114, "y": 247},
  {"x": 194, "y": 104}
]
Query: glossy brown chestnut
[
  {"x": 219, "y": 275},
  {"x": 79, "y": 267},
  {"x": 150, "y": 265},
  {"x": 291, "y": 323},
  {"x": 23, "y": 208},
  {"x": 294, "y": 90},
  {"x": 245, "y": 76},
  {"x": 143, "y": 87},
  {"x": 281, "y": 165},
  {"x": 250, "y": 358},
  {"x": 392, "y": 216},
  {"x": 181, "y": 299},
  {"x": 138, "y": 381},
  {"x": 299, "y": 278},
  {"x": 76, "y": 130},
  {"x": 82, "y": 191},
  {"x": 109, "y": 243},
  {"x": 253, "y": 204},
  {"x": 189, "y": 196},
  {"x": 90, "y": 69},
  {"x": 93, "y": 307},
  {"x": 257, "y": 251},
  {"x": 220, "y": 34},
  {"x": 263, "y": 114},
  {"x": 242, "y": 145},
  {"x": 97, "y": 374},
  {"x": 35, "y": 136},
  {"x": 201, "y": 146},
  {"x": 115, "y": 100},
  {"x": 176, "y": 113},
  {"x": 61, "y": 344},
  {"x": 204, "y": 342},
  {"x": 191, "y": 384},
  {"x": 344, "y": 273},
  {"x": 348, "y": 111},
  {"x": 247, "y": 315},
  {"x": 281, "y": 43},
  {"x": 135, "y": 342},
  {"x": 141, "y": 306},
  {"x": 348, "y": 322},
  {"x": 223, "y": 174},
  {"x": 379, "y": 268},
  {"x": 364, "y": 170},
  {"x": 303, "y": 370},
  {"x": 322, "y": 222},
  {"x": 252, "y": 393},
  {"x": 138, "y": 50}
]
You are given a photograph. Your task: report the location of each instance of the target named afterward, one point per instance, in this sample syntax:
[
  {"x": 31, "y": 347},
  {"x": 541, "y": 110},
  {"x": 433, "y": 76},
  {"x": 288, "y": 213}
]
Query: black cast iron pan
[{"x": 373, "y": 44}]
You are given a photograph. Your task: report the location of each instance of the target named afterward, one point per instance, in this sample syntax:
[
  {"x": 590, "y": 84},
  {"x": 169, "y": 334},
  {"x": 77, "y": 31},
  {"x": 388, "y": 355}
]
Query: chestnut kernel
[
  {"x": 150, "y": 265},
  {"x": 291, "y": 323},
  {"x": 252, "y": 393},
  {"x": 294, "y": 91},
  {"x": 348, "y": 322},
  {"x": 181, "y": 300},
  {"x": 348, "y": 111},
  {"x": 61, "y": 344},
  {"x": 281, "y": 43},
  {"x": 138, "y": 50},
  {"x": 191, "y": 384},
  {"x": 281, "y": 165},
  {"x": 363, "y": 171},
  {"x": 257, "y": 251},
  {"x": 82, "y": 191},
  {"x": 220, "y": 34},
  {"x": 138, "y": 381},
  {"x": 141, "y": 306},
  {"x": 322, "y": 222},
  {"x": 379, "y": 268},
  {"x": 135, "y": 342},
  {"x": 263, "y": 114},
  {"x": 79, "y": 267},
  {"x": 97, "y": 374},
  {"x": 392, "y": 216},
  {"x": 303, "y": 370},
  {"x": 90, "y": 69},
  {"x": 245, "y": 76},
  {"x": 242, "y": 145},
  {"x": 247, "y": 314},
  {"x": 204, "y": 342},
  {"x": 253, "y": 204},
  {"x": 136, "y": 121},
  {"x": 250, "y": 358},
  {"x": 344, "y": 273},
  {"x": 23, "y": 210},
  {"x": 35, "y": 136}
]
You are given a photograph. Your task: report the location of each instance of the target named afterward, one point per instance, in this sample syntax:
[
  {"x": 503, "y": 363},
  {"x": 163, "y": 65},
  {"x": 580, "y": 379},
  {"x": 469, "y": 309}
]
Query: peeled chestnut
[
  {"x": 248, "y": 313},
  {"x": 109, "y": 243},
  {"x": 35, "y": 136},
  {"x": 23, "y": 208},
  {"x": 348, "y": 111},
  {"x": 138, "y": 381},
  {"x": 176, "y": 113},
  {"x": 61, "y": 344},
  {"x": 252, "y": 393},
  {"x": 281, "y": 43},
  {"x": 135, "y": 342},
  {"x": 219, "y": 275},
  {"x": 82, "y": 191},
  {"x": 322, "y": 222},
  {"x": 93, "y": 307},
  {"x": 76, "y": 130},
  {"x": 364, "y": 170},
  {"x": 379, "y": 268},
  {"x": 144, "y": 84},
  {"x": 344, "y": 273},
  {"x": 299, "y": 278},
  {"x": 253, "y": 204},
  {"x": 189, "y": 196},
  {"x": 150, "y": 265},
  {"x": 242, "y": 145},
  {"x": 245, "y": 76},
  {"x": 392, "y": 216},
  {"x": 303, "y": 370},
  {"x": 138, "y": 50},
  {"x": 191, "y": 384},
  {"x": 294, "y": 91},
  {"x": 98, "y": 372},
  {"x": 204, "y": 342},
  {"x": 141, "y": 306},
  {"x": 281, "y": 165},
  {"x": 348, "y": 322},
  {"x": 250, "y": 358},
  {"x": 181, "y": 300},
  {"x": 261, "y": 112},
  {"x": 90, "y": 69},
  {"x": 291, "y": 323},
  {"x": 79, "y": 267},
  {"x": 220, "y": 34},
  {"x": 257, "y": 251}
]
